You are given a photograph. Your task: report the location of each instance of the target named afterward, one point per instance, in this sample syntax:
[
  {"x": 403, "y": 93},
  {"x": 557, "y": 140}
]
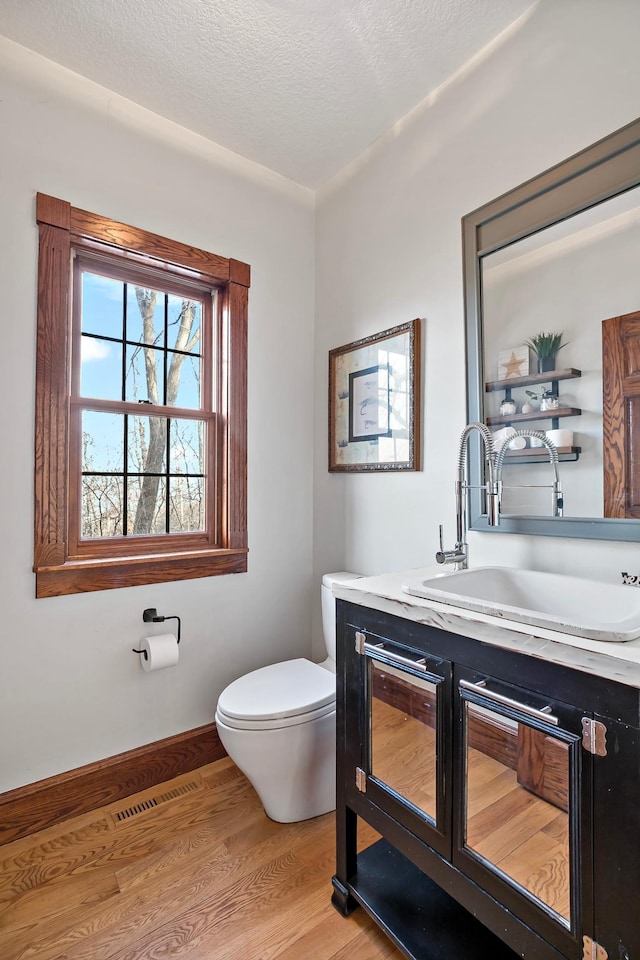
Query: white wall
[
  {"x": 71, "y": 691},
  {"x": 388, "y": 248}
]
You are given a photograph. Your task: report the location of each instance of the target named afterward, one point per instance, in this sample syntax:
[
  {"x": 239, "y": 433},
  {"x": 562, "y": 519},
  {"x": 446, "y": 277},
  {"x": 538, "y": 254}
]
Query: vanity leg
[{"x": 346, "y": 859}]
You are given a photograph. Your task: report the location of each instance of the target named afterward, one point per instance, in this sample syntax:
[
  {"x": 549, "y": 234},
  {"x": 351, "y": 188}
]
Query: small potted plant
[
  {"x": 548, "y": 400},
  {"x": 546, "y": 346}
]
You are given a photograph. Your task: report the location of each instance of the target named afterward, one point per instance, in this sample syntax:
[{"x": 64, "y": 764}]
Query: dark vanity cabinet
[{"x": 505, "y": 790}]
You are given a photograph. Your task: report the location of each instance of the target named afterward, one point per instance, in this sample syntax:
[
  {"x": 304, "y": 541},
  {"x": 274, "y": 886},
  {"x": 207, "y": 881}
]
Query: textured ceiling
[{"x": 299, "y": 86}]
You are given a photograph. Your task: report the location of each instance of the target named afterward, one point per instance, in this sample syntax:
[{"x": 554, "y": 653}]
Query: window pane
[
  {"x": 102, "y": 509},
  {"x": 102, "y": 305},
  {"x": 186, "y": 505},
  {"x": 100, "y": 369},
  {"x": 145, "y": 374},
  {"x": 187, "y": 446},
  {"x": 102, "y": 442},
  {"x": 183, "y": 381},
  {"x": 146, "y": 504},
  {"x": 145, "y": 315},
  {"x": 147, "y": 445},
  {"x": 184, "y": 319},
  {"x": 184, "y": 328}
]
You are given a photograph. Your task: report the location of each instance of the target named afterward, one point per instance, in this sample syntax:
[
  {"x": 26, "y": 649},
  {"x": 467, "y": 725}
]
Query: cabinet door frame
[
  {"x": 435, "y": 832},
  {"x": 567, "y": 939}
]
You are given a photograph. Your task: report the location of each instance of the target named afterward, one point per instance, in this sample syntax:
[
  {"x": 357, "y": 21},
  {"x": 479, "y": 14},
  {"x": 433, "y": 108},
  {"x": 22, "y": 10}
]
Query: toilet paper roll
[
  {"x": 161, "y": 652},
  {"x": 518, "y": 443},
  {"x": 561, "y": 438}
]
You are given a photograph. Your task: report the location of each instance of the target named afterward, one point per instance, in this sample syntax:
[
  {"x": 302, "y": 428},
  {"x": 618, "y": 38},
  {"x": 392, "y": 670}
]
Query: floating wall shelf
[
  {"x": 533, "y": 378},
  {"x": 513, "y": 418},
  {"x": 534, "y": 454}
]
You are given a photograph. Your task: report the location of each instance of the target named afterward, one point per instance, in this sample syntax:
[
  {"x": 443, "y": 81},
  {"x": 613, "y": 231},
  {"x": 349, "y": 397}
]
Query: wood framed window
[{"x": 141, "y": 407}]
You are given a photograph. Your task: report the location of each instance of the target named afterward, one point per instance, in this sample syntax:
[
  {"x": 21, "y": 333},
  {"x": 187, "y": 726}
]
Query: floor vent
[
  {"x": 143, "y": 805},
  {"x": 179, "y": 791}
]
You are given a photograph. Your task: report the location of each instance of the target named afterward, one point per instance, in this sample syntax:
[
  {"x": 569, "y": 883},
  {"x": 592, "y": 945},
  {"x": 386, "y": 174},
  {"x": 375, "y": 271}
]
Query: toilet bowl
[{"x": 278, "y": 726}]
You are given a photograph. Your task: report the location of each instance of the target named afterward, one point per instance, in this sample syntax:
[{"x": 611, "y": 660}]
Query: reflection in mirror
[
  {"x": 568, "y": 278},
  {"x": 403, "y": 752},
  {"x": 559, "y": 254},
  {"x": 516, "y": 805}
]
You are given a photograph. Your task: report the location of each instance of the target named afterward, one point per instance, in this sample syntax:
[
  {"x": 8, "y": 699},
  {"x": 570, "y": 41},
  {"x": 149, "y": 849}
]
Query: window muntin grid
[{"x": 141, "y": 343}]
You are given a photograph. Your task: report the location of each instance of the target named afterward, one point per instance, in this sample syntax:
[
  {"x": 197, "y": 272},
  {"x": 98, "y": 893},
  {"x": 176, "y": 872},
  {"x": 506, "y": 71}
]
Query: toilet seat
[
  {"x": 236, "y": 723},
  {"x": 280, "y": 695}
]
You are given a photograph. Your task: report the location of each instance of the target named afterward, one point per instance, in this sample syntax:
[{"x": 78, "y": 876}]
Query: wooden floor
[
  {"x": 190, "y": 869},
  {"x": 194, "y": 870}
]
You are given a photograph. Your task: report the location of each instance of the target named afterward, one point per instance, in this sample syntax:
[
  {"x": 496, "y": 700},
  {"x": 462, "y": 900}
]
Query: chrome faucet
[
  {"x": 459, "y": 556},
  {"x": 557, "y": 503}
]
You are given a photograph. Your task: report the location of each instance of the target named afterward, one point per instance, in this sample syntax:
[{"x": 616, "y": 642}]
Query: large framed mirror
[{"x": 561, "y": 254}]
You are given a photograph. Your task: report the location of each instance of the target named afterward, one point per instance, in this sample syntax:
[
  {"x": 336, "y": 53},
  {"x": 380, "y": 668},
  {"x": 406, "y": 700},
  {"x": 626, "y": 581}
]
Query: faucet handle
[
  {"x": 458, "y": 555},
  {"x": 441, "y": 554}
]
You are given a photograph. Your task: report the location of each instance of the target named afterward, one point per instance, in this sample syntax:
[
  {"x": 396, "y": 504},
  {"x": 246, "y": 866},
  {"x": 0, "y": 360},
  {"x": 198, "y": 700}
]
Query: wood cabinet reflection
[
  {"x": 508, "y": 824},
  {"x": 621, "y": 415},
  {"x": 403, "y": 736},
  {"x": 515, "y": 782}
]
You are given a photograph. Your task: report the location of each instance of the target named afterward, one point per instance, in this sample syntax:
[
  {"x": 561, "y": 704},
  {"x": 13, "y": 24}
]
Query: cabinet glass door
[
  {"x": 521, "y": 781},
  {"x": 403, "y": 747},
  {"x": 405, "y": 744}
]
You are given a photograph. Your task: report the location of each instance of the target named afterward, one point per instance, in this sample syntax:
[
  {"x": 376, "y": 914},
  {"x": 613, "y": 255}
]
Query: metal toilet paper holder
[{"x": 150, "y": 615}]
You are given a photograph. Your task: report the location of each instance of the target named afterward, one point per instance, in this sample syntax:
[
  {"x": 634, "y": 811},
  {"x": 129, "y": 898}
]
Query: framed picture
[
  {"x": 374, "y": 402},
  {"x": 513, "y": 362}
]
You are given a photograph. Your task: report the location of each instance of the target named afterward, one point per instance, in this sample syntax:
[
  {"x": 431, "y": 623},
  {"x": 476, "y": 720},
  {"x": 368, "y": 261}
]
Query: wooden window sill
[{"x": 83, "y": 576}]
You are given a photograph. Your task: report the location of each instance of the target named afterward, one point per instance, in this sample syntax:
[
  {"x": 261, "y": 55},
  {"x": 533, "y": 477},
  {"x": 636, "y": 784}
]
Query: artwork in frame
[
  {"x": 374, "y": 402},
  {"x": 513, "y": 362}
]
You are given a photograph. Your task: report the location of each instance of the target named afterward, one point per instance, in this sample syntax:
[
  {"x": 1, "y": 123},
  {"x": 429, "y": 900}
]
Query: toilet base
[{"x": 292, "y": 769}]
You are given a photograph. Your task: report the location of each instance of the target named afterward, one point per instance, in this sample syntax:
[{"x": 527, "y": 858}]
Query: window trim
[{"x": 63, "y": 228}]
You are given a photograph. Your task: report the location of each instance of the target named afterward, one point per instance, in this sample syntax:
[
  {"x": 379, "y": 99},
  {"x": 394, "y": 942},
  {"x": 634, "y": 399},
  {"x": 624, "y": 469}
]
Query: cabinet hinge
[
  {"x": 360, "y": 641},
  {"x": 594, "y": 737},
  {"x": 593, "y": 950},
  {"x": 361, "y": 780}
]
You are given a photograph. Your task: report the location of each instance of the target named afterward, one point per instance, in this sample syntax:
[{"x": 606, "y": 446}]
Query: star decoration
[{"x": 513, "y": 367}]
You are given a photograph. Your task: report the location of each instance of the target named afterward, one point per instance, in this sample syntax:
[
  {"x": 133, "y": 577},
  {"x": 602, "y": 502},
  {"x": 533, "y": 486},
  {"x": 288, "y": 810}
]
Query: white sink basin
[{"x": 583, "y": 608}]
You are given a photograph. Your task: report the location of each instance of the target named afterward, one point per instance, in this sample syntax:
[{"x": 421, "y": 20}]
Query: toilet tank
[{"x": 329, "y": 607}]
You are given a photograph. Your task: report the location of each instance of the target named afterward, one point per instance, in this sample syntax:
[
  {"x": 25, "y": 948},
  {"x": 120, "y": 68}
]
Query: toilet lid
[{"x": 287, "y": 689}]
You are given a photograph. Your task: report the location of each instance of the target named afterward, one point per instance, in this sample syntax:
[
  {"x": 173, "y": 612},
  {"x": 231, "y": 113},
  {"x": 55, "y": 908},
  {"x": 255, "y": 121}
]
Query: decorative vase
[{"x": 546, "y": 363}]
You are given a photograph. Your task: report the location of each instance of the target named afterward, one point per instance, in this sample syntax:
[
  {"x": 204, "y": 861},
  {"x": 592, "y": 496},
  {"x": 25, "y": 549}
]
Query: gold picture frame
[{"x": 374, "y": 402}]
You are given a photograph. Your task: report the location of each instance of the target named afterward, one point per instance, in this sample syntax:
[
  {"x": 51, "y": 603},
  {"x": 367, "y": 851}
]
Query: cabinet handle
[
  {"x": 379, "y": 648},
  {"x": 481, "y": 688}
]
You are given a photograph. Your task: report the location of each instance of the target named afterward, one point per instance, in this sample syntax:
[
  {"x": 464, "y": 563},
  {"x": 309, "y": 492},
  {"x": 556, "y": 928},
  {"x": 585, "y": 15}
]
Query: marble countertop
[{"x": 614, "y": 661}]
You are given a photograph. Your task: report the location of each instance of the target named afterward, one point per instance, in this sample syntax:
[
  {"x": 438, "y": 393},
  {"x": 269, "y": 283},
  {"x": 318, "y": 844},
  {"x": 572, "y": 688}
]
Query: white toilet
[{"x": 278, "y": 724}]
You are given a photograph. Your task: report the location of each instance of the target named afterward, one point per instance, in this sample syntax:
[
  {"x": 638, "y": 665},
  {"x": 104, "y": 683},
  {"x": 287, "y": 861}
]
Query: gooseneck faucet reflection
[
  {"x": 557, "y": 501},
  {"x": 459, "y": 556},
  {"x": 493, "y": 487}
]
